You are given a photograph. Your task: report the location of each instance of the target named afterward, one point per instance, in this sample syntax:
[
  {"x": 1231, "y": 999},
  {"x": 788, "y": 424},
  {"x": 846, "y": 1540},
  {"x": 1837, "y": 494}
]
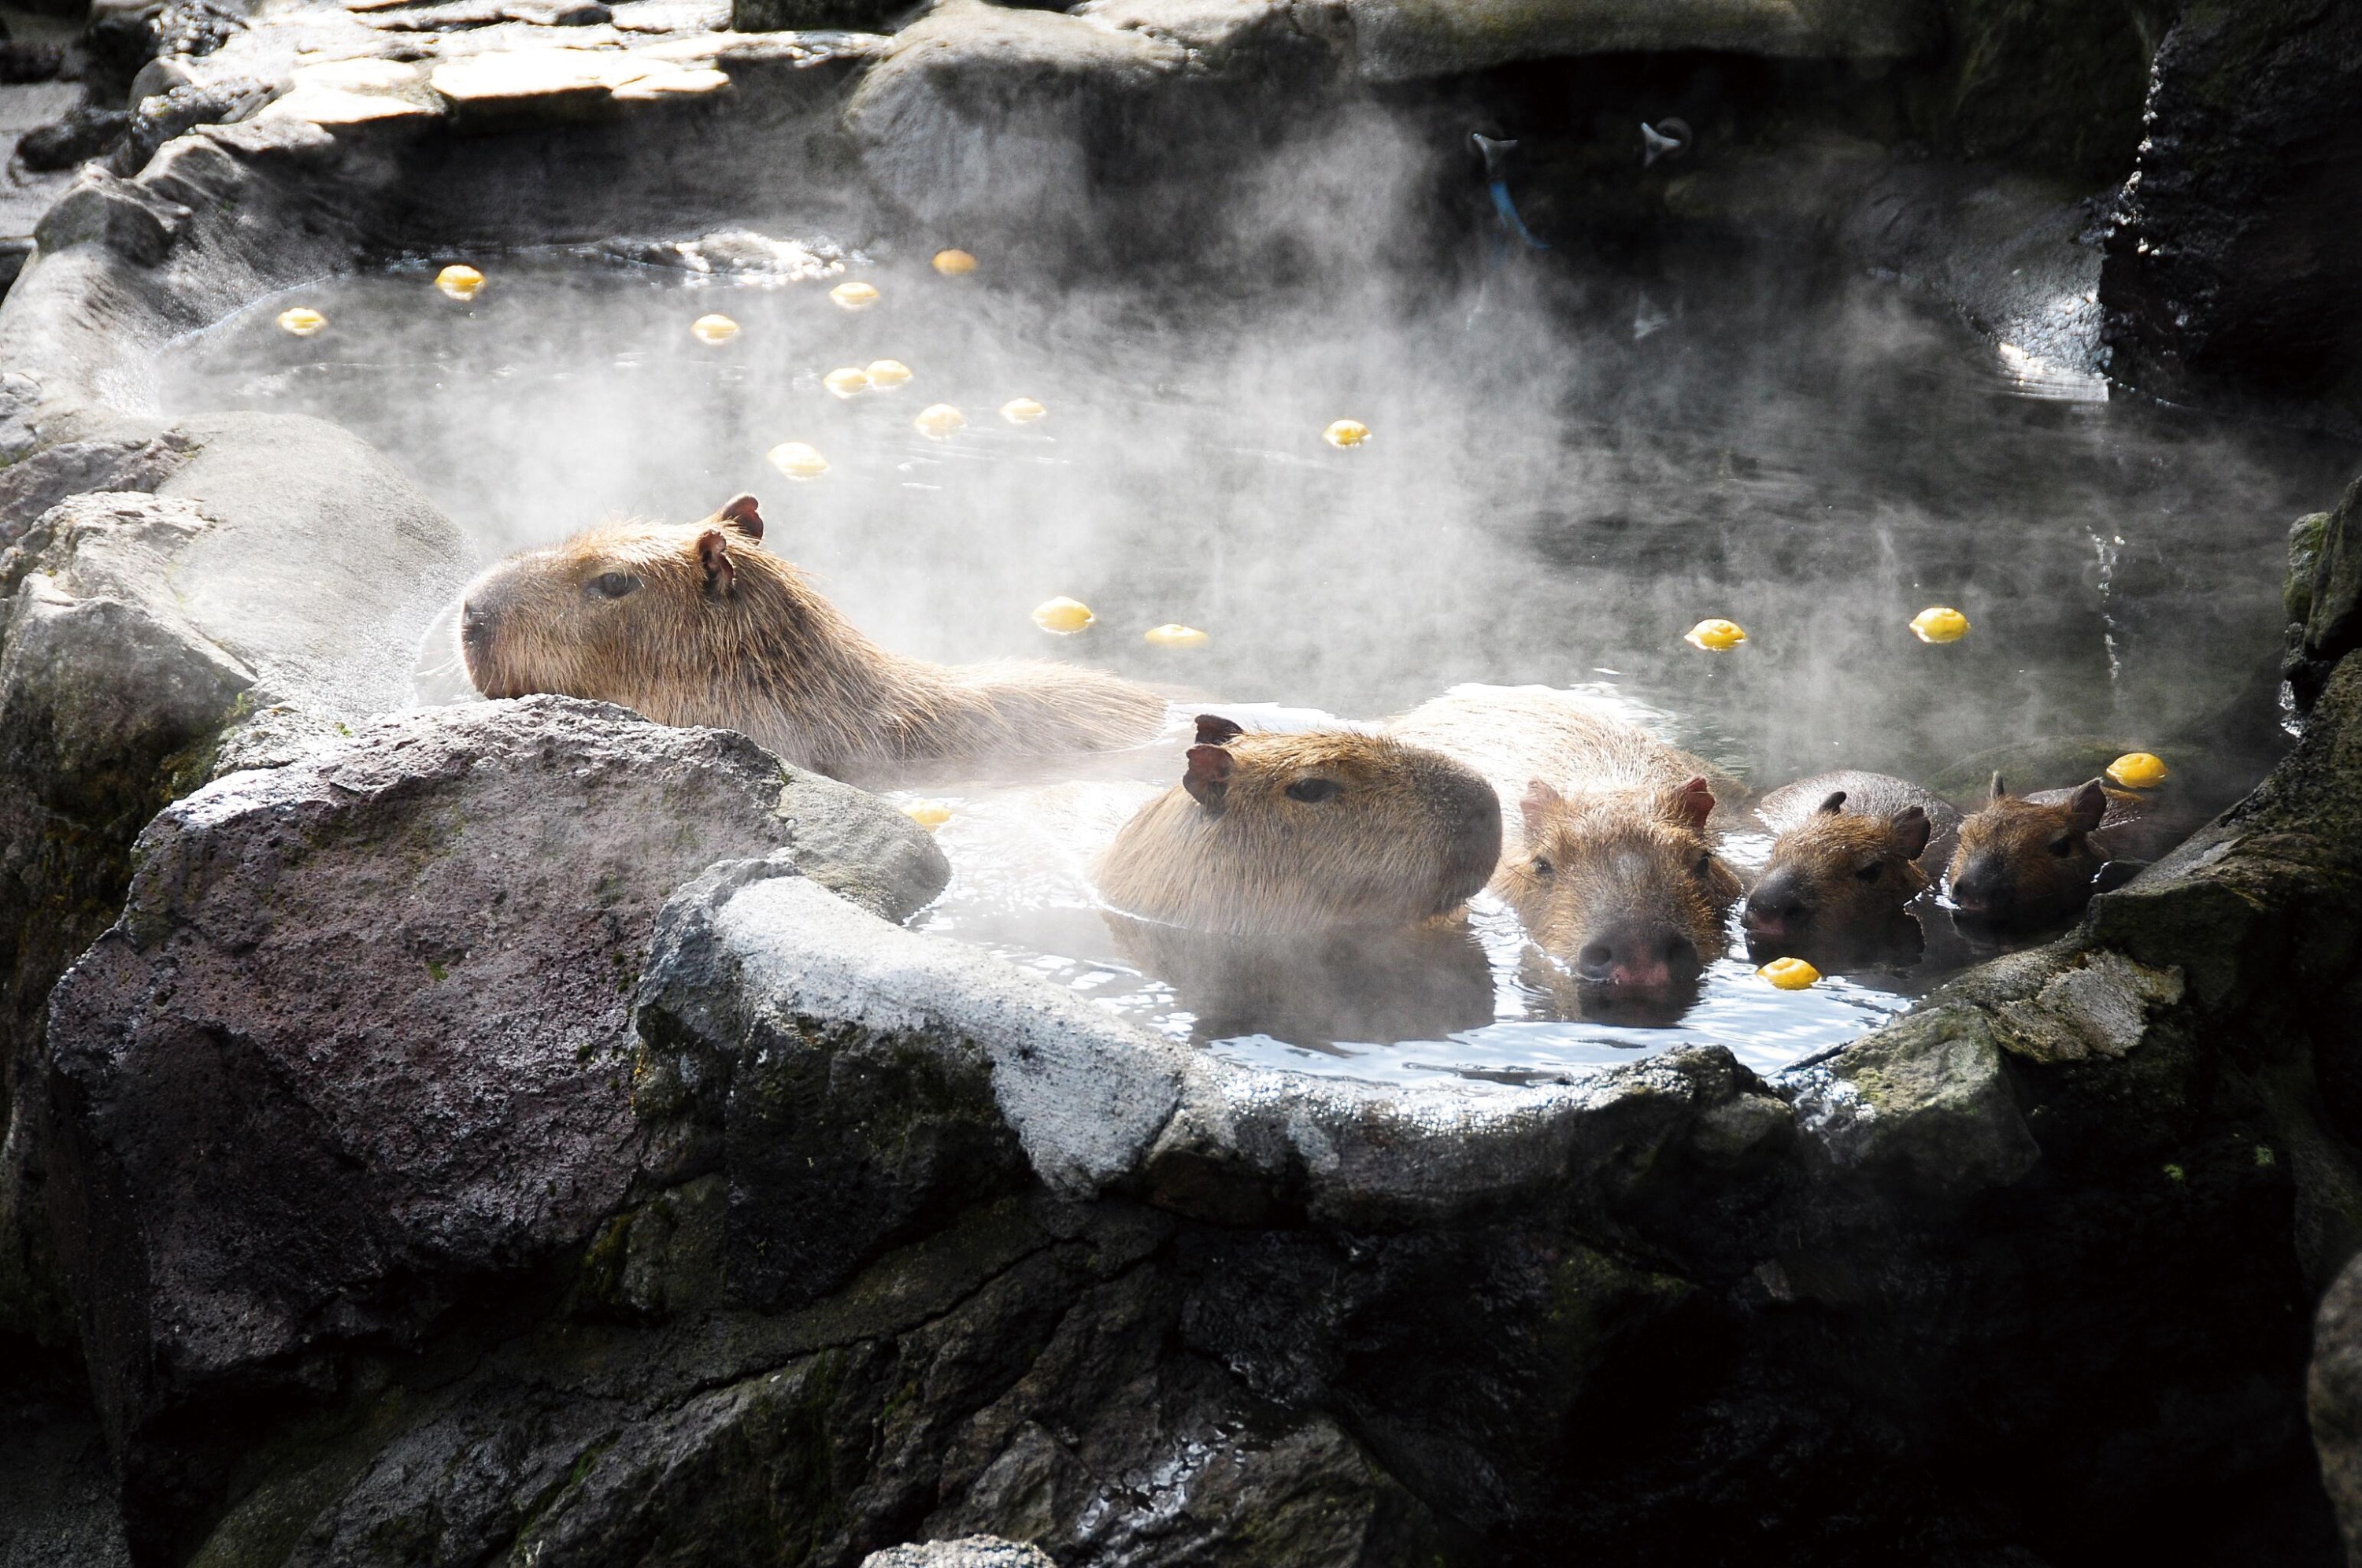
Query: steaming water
[{"x": 1563, "y": 477}]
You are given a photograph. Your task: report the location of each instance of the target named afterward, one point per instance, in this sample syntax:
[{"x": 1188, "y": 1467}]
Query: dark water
[{"x": 1564, "y": 475}]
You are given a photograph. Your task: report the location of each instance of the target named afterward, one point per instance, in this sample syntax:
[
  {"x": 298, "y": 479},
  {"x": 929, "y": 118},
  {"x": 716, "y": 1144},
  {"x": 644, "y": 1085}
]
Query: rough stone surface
[
  {"x": 2334, "y": 1399},
  {"x": 1399, "y": 39},
  {"x": 967, "y": 1551},
  {"x": 2230, "y": 261},
  {"x": 2328, "y": 602},
  {"x": 138, "y": 626},
  {"x": 422, "y": 942}
]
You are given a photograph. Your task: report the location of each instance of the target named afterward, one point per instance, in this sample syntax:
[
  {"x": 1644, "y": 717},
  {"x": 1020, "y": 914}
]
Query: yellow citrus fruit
[
  {"x": 2138, "y": 770},
  {"x": 938, "y": 420},
  {"x": 928, "y": 815},
  {"x": 1172, "y": 634},
  {"x": 955, "y": 264},
  {"x": 303, "y": 321},
  {"x": 1021, "y": 411},
  {"x": 1062, "y": 615},
  {"x": 1939, "y": 624},
  {"x": 846, "y": 383},
  {"x": 1346, "y": 433},
  {"x": 461, "y": 283},
  {"x": 888, "y": 372},
  {"x": 1789, "y": 974},
  {"x": 797, "y": 460},
  {"x": 713, "y": 330},
  {"x": 855, "y": 296},
  {"x": 1715, "y": 636}
]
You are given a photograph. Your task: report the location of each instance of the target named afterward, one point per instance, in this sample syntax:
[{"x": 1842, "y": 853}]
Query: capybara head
[
  {"x": 1317, "y": 830},
  {"x": 1624, "y": 889},
  {"x": 2021, "y": 863},
  {"x": 1837, "y": 877},
  {"x": 625, "y": 613}
]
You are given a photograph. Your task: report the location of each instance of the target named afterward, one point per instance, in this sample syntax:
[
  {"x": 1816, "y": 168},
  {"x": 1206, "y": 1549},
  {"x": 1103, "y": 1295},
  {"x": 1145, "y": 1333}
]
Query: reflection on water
[{"x": 1548, "y": 496}]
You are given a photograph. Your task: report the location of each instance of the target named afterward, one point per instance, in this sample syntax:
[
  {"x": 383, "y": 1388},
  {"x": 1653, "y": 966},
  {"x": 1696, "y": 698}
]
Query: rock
[
  {"x": 2228, "y": 262},
  {"x": 138, "y": 626},
  {"x": 2305, "y": 537},
  {"x": 84, "y": 133},
  {"x": 423, "y": 941},
  {"x": 2333, "y": 1400},
  {"x": 1926, "y": 1099},
  {"x": 159, "y": 117},
  {"x": 789, "y": 1033},
  {"x": 977, "y": 104},
  {"x": 1403, "y": 40},
  {"x": 2051, "y": 87},
  {"x": 968, "y": 1552},
  {"x": 2331, "y": 596}
]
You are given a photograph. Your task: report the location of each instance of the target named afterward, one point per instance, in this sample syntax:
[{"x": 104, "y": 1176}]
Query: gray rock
[
  {"x": 967, "y": 1551},
  {"x": 1926, "y": 1099},
  {"x": 2333, "y": 1400},
  {"x": 362, "y": 1037},
  {"x": 1402, "y": 40},
  {"x": 977, "y": 104}
]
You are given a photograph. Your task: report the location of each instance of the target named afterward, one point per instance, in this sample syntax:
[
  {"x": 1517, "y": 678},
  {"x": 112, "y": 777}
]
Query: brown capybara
[
  {"x": 1284, "y": 833},
  {"x": 2028, "y": 861},
  {"x": 1852, "y": 849},
  {"x": 697, "y": 624},
  {"x": 1609, "y": 860}
]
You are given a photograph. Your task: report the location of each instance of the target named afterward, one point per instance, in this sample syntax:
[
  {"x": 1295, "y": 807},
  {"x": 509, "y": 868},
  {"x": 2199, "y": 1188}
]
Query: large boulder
[
  {"x": 359, "y": 1045},
  {"x": 2232, "y": 259},
  {"x": 248, "y": 562},
  {"x": 1400, "y": 39},
  {"x": 2334, "y": 1397}
]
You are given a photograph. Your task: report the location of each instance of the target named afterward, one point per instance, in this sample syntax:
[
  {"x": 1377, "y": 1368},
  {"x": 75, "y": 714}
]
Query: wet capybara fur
[
  {"x": 2028, "y": 861},
  {"x": 698, "y": 624},
  {"x": 1284, "y": 833},
  {"x": 1610, "y": 861},
  {"x": 1852, "y": 849}
]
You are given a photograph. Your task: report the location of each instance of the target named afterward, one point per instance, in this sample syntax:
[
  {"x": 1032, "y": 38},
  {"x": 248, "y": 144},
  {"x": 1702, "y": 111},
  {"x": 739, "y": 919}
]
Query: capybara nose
[
  {"x": 474, "y": 626},
  {"x": 1981, "y": 887},
  {"x": 1774, "y": 915},
  {"x": 1639, "y": 962}
]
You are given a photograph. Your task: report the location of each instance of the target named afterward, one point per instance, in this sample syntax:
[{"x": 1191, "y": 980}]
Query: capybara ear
[
  {"x": 1214, "y": 730},
  {"x": 743, "y": 513},
  {"x": 1998, "y": 792},
  {"x": 1832, "y": 806},
  {"x": 1209, "y": 779},
  {"x": 1694, "y": 802},
  {"x": 2089, "y": 806},
  {"x": 1912, "y": 831},
  {"x": 1539, "y": 802},
  {"x": 713, "y": 555}
]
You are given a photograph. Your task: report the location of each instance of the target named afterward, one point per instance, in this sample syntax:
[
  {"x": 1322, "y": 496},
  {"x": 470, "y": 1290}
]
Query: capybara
[
  {"x": 697, "y": 624},
  {"x": 1407, "y": 982},
  {"x": 1852, "y": 849},
  {"x": 1284, "y": 833},
  {"x": 2027, "y": 861},
  {"x": 1608, "y": 858}
]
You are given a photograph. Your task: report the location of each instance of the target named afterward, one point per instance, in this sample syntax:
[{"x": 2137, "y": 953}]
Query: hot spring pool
[{"x": 1564, "y": 475}]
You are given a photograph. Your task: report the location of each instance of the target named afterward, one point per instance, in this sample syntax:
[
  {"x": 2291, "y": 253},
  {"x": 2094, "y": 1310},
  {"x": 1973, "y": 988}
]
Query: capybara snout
[{"x": 1639, "y": 956}]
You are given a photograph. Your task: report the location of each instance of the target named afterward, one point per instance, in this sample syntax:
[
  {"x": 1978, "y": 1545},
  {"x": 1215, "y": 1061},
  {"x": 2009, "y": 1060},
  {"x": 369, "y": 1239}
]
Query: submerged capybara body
[
  {"x": 697, "y": 624},
  {"x": 2030, "y": 860},
  {"x": 1284, "y": 833},
  {"x": 1852, "y": 849},
  {"x": 1608, "y": 858}
]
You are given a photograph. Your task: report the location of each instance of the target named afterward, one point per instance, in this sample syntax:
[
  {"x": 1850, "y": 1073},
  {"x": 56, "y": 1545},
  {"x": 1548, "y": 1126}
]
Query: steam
[{"x": 1571, "y": 464}]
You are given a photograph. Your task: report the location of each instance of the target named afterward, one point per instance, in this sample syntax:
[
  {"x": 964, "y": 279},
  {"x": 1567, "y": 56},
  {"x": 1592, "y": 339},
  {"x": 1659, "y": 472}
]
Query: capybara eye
[
  {"x": 1705, "y": 864},
  {"x": 1312, "y": 791},
  {"x": 2063, "y": 846},
  {"x": 1543, "y": 868},
  {"x": 1869, "y": 872},
  {"x": 613, "y": 584}
]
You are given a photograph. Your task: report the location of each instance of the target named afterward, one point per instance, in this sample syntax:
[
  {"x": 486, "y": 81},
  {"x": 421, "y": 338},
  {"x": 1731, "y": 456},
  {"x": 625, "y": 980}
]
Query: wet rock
[
  {"x": 137, "y": 627},
  {"x": 1403, "y": 40},
  {"x": 2333, "y": 1400},
  {"x": 976, "y": 98},
  {"x": 83, "y": 134},
  {"x": 2228, "y": 262},
  {"x": 967, "y": 1551},
  {"x": 2051, "y": 87},
  {"x": 159, "y": 117},
  {"x": 422, "y": 942},
  {"x": 1926, "y": 1099},
  {"x": 2329, "y": 595}
]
